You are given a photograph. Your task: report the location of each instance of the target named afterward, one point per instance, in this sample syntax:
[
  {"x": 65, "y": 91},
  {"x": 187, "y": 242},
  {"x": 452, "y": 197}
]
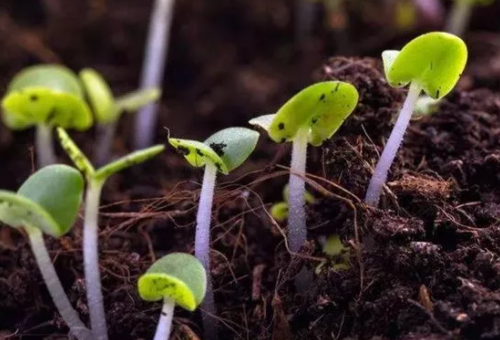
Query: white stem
[
  {"x": 105, "y": 137},
  {"x": 91, "y": 260},
  {"x": 297, "y": 232},
  {"x": 202, "y": 246},
  {"x": 304, "y": 19},
  {"x": 69, "y": 315},
  {"x": 44, "y": 146},
  {"x": 458, "y": 19},
  {"x": 153, "y": 69},
  {"x": 391, "y": 147},
  {"x": 165, "y": 323}
]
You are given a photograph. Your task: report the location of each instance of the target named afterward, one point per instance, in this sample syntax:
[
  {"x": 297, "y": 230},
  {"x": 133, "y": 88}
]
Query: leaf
[
  {"x": 100, "y": 96},
  {"x": 434, "y": 60},
  {"x": 279, "y": 211},
  {"x": 45, "y": 94},
  {"x": 132, "y": 159},
  {"x": 178, "y": 277},
  {"x": 133, "y": 101},
  {"x": 321, "y": 108},
  {"x": 263, "y": 121},
  {"x": 58, "y": 189},
  {"x": 77, "y": 156},
  {"x": 197, "y": 153}
]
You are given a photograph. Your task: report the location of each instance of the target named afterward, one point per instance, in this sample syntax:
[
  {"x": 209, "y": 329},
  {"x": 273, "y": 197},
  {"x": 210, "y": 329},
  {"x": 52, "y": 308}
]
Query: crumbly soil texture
[{"x": 424, "y": 266}]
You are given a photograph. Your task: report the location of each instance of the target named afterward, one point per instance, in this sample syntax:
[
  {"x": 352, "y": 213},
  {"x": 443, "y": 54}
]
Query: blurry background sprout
[
  {"x": 460, "y": 13},
  {"x": 312, "y": 116},
  {"x": 48, "y": 202},
  {"x": 279, "y": 210},
  {"x": 338, "y": 253},
  {"x": 222, "y": 152},
  {"x": 175, "y": 279},
  {"x": 432, "y": 62},
  {"x": 153, "y": 69},
  {"x": 108, "y": 109},
  {"x": 45, "y": 96},
  {"x": 95, "y": 181}
]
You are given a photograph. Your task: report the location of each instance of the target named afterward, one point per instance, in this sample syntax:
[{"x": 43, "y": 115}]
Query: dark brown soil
[{"x": 424, "y": 266}]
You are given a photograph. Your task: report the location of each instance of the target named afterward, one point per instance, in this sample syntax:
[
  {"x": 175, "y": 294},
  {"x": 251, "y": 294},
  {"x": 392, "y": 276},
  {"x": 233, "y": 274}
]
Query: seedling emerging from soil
[
  {"x": 176, "y": 279},
  {"x": 48, "y": 202},
  {"x": 311, "y": 116},
  {"x": 108, "y": 109},
  {"x": 95, "y": 182},
  {"x": 432, "y": 62},
  {"x": 459, "y": 17},
  {"x": 45, "y": 96},
  {"x": 222, "y": 152},
  {"x": 280, "y": 210},
  {"x": 153, "y": 69},
  {"x": 338, "y": 253}
]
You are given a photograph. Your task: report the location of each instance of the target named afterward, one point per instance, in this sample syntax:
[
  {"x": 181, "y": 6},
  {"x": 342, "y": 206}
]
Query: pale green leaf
[
  {"x": 100, "y": 96},
  {"x": 133, "y": 101},
  {"x": 197, "y": 153}
]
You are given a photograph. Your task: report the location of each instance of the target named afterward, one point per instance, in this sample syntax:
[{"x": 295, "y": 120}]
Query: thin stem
[
  {"x": 391, "y": 148},
  {"x": 91, "y": 260},
  {"x": 304, "y": 19},
  {"x": 105, "y": 137},
  {"x": 459, "y": 17},
  {"x": 153, "y": 69},
  {"x": 44, "y": 146},
  {"x": 202, "y": 246},
  {"x": 297, "y": 232},
  {"x": 165, "y": 323},
  {"x": 56, "y": 290}
]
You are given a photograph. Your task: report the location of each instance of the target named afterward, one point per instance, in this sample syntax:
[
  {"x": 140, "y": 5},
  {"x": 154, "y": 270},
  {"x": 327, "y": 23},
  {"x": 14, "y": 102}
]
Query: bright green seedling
[
  {"x": 222, "y": 152},
  {"x": 45, "y": 96},
  {"x": 460, "y": 13},
  {"x": 108, "y": 109},
  {"x": 338, "y": 253},
  {"x": 48, "y": 202},
  {"x": 311, "y": 116},
  {"x": 95, "y": 181},
  {"x": 175, "y": 279},
  {"x": 279, "y": 210},
  {"x": 432, "y": 62}
]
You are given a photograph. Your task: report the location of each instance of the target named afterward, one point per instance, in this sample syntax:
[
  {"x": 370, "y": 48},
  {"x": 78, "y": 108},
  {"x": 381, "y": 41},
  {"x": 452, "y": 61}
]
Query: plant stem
[
  {"x": 69, "y": 315},
  {"x": 153, "y": 69},
  {"x": 105, "y": 136},
  {"x": 391, "y": 148},
  {"x": 304, "y": 19},
  {"x": 44, "y": 146},
  {"x": 91, "y": 260},
  {"x": 297, "y": 232},
  {"x": 202, "y": 246},
  {"x": 165, "y": 322},
  {"x": 458, "y": 19}
]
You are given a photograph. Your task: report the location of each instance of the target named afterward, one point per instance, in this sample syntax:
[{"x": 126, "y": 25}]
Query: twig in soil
[{"x": 257, "y": 280}]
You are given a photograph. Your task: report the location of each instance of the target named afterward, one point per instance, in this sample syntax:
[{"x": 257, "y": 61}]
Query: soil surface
[{"x": 423, "y": 266}]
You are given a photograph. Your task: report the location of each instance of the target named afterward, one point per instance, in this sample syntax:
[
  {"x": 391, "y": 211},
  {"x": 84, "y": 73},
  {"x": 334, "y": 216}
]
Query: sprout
[
  {"x": 45, "y": 96},
  {"x": 432, "y": 62},
  {"x": 279, "y": 210},
  {"x": 176, "y": 279},
  {"x": 48, "y": 202},
  {"x": 223, "y": 151},
  {"x": 312, "y": 116},
  {"x": 458, "y": 19},
  {"x": 95, "y": 181},
  {"x": 108, "y": 109},
  {"x": 338, "y": 253},
  {"x": 153, "y": 69}
]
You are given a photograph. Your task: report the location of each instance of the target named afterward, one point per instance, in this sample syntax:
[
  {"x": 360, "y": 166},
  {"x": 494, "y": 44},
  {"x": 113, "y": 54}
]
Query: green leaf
[
  {"x": 279, "y": 211},
  {"x": 197, "y": 153},
  {"x": 133, "y": 101},
  {"x": 100, "y": 96},
  {"x": 45, "y": 94},
  {"x": 263, "y": 122},
  {"x": 321, "y": 108},
  {"x": 178, "y": 277},
  {"x": 58, "y": 189},
  {"x": 434, "y": 61},
  {"x": 77, "y": 156},
  {"x": 308, "y": 197},
  {"x": 132, "y": 159}
]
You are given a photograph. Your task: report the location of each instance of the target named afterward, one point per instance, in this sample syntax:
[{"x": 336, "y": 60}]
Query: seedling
[
  {"x": 153, "y": 69},
  {"x": 45, "y": 96},
  {"x": 95, "y": 181},
  {"x": 108, "y": 109},
  {"x": 176, "y": 279},
  {"x": 311, "y": 116},
  {"x": 338, "y": 253},
  {"x": 222, "y": 152},
  {"x": 48, "y": 202},
  {"x": 432, "y": 62},
  {"x": 459, "y": 17},
  {"x": 279, "y": 210}
]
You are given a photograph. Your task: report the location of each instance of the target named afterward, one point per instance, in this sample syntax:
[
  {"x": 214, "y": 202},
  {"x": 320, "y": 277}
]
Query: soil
[{"x": 424, "y": 266}]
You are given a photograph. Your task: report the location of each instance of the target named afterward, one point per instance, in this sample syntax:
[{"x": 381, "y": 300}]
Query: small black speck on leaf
[
  {"x": 198, "y": 151},
  {"x": 33, "y": 97},
  {"x": 322, "y": 97},
  {"x": 314, "y": 120},
  {"x": 183, "y": 150},
  {"x": 283, "y": 140},
  {"x": 281, "y": 126},
  {"x": 218, "y": 148}
]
